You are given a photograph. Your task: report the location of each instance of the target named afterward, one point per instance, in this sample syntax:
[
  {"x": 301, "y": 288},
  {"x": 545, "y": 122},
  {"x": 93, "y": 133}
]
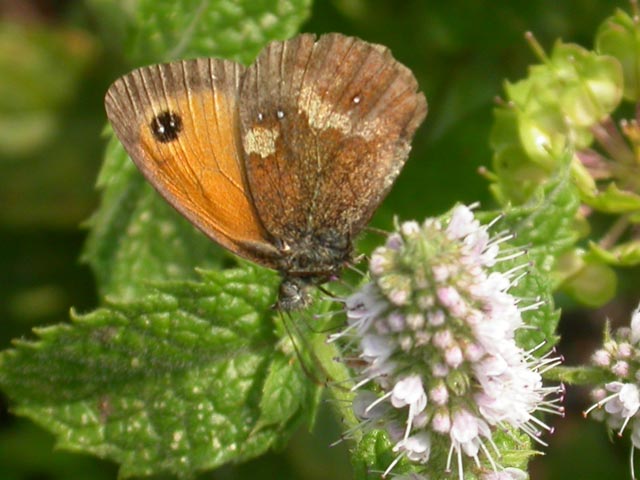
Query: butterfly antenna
[
  {"x": 326, "y": 328},
  {"x": 328, "y": 293},
  {"x": 377, "y": 231},
  {"x": 296, "y": 335},
  {"x": 355, "y": 269}
]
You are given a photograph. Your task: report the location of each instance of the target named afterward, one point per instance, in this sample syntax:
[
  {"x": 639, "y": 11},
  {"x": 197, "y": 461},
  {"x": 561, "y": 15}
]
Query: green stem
[
  {"x": 576, "y": 375},
  {"x": 615, "y": 232},
  {"x": 536, "y": 47},
  {"x": 340, "y": 380}
]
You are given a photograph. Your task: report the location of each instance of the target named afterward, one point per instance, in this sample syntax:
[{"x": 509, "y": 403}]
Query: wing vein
[
  {"x": 273, "y": 181},
  {"x": 180, "y": 143}
]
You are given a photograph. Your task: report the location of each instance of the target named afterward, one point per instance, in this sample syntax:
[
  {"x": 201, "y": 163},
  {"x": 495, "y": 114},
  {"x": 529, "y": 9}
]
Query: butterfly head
[{"x": 293, "y": 294}]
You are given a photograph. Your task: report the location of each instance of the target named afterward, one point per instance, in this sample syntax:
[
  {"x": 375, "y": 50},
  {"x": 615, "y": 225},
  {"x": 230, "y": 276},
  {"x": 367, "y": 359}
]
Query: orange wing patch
[{"x": 186, "y": 141}]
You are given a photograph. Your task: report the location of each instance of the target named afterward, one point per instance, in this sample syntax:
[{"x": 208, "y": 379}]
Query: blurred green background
[{"x": 56, "y": 62}]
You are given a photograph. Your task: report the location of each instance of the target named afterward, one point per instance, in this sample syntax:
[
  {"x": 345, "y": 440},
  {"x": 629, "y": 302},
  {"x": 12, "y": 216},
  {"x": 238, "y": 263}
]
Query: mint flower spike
[
  {"x": 434, "y": 332},
  {"x": 621, "y": 397}
]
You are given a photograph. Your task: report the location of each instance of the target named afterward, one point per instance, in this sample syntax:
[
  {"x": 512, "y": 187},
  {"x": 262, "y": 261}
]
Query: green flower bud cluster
[{"x": 571, "y": 102}]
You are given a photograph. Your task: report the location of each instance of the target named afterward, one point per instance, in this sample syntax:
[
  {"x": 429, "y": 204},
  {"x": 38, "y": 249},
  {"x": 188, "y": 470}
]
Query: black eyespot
[{"x": 166, "y": 126}]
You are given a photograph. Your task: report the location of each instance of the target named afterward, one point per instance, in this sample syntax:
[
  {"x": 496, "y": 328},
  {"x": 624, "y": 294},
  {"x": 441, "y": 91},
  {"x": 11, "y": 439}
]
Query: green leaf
[
  {"x": 180, "y": 380},
  {"x": 537, "y": 287},
  {"x": 622, "y": 255},
  {"x": 593, "y": 284},
  {"x": 555, "y": 106},
  {"x": 614, "y": 200},
  {"x": 136, "y": 238},
  {"x": 516, "y": 176},
  {"x": 543, "y": 135},
  {"x": 546, "y": 224},
  {"x": 596, "y": 89},
  {"x": 582, "y": 375},
  {"x": 154, "y": 31},
  {"x": 581, "y": 85},
  {"x": 619, "y": 37},
  {"x": 515, "y": 449},
  {"x": 227, "y": 28},
  {"x": 282, "y": 392},
  {"x": 373, "y": 455}
]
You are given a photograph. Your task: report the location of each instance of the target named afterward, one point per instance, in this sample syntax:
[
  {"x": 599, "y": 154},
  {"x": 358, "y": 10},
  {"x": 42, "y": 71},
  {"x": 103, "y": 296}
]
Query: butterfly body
[
  {"x": 310, "y": 259},
  {"x": 282, "y": 162}
]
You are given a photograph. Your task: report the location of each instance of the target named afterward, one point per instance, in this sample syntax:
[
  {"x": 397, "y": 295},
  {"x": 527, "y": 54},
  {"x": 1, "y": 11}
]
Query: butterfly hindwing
[{"x": 335, "y": 117}]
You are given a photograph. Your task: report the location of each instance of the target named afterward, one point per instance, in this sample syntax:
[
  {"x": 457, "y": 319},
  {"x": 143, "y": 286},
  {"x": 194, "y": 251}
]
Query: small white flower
[
  {"x": 443, "y": 339},
  {"x": 462, "y": 222},
  {"x": 394, "y": 242},
  {"x": 417, "y": 447},
  {"x": 601, "y": 358},
  {"x": 439, "y": 394},
  {"x": 379, "y": 262},
  {"x": 441, "y": 422},
  {"x": 453, "y": 356},
  {"x": 362, "y": 406},
  {"x": 409, "y": 391},
  {"x": 625, "y": 350},
  {"x": 409, "y": 229},
  {"x": 626, "y": 400},
  {"x": 436, "y": 318},
  {"x": 474, "y": 352},
  {"x": 396, "y": 322},
  {"x": 630, "y": 399},
  {"x": 466, "y": 430},
  {"x": 415, "y": 321},
  {"x": 363, "y": 307},
  {"x": 620, "y": 369},
  {"x": 376, "y": 348},
  {"x": 450, "y": 298}
]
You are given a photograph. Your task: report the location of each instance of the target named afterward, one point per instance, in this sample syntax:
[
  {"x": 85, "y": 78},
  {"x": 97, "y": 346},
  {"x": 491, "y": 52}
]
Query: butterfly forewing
[
  {"x": 354, "y": 109},
  {"x": 179, "y": 123}
]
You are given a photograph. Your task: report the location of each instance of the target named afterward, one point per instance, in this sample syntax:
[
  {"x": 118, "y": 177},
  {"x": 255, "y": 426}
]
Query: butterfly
[{"x": 282, "y": 162}]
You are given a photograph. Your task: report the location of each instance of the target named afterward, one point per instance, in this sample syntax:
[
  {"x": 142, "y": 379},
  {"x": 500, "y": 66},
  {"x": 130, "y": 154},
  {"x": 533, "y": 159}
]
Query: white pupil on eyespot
[
  {"x": 280, "y": 114},
  {"x": 356, "y": 99}
]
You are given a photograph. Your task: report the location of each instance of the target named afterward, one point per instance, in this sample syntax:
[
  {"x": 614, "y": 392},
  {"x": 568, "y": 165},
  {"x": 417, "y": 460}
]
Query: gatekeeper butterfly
[{"x": 282, "y": 162}]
